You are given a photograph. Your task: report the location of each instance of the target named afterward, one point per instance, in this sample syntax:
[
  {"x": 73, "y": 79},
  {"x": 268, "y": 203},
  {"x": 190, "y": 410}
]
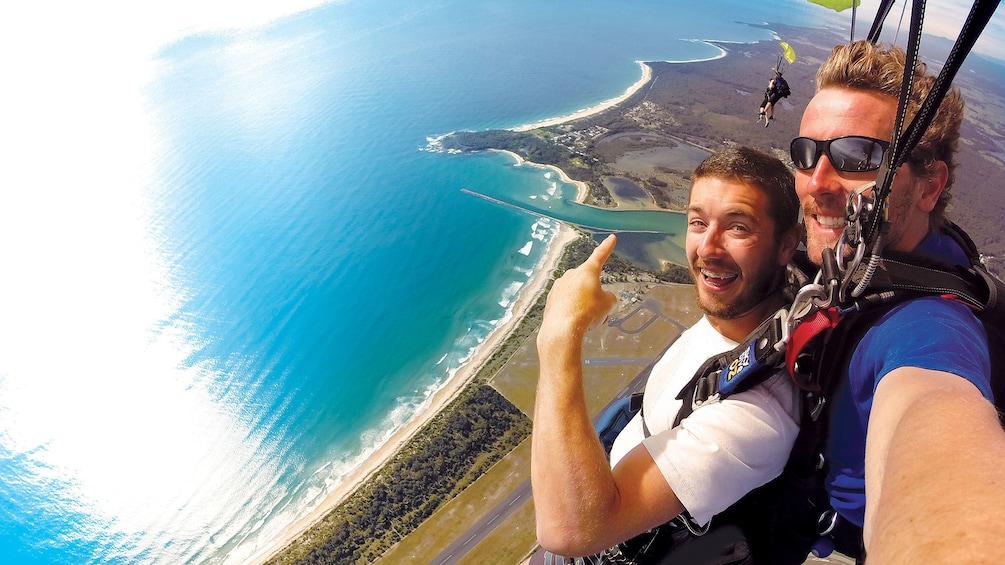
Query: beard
[
  {"x": 899, "y": 206},
  {"x": 759, "y": 286}
]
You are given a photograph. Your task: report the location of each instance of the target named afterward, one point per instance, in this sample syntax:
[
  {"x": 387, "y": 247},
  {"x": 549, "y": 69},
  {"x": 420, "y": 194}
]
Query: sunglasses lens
[
  {"x": 851, "y": 154},
  {"x": 856, "y": 154},
  {"x": 803, "y": 151}
]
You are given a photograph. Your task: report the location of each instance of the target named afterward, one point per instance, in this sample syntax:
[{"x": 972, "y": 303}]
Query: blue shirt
[{"x": 930, "y": 333}]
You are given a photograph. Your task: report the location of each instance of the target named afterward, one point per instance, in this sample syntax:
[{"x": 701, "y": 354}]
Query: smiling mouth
[
  {"x": 830, "y": 222},
  {"x": 716, "y": 279}
]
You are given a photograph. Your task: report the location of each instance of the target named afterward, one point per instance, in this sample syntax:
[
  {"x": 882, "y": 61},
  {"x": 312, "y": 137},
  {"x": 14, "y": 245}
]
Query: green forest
[{"x": 457, "y": 446}]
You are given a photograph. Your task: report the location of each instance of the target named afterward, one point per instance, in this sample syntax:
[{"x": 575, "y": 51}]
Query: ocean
[{"x": 300, "y": 270}]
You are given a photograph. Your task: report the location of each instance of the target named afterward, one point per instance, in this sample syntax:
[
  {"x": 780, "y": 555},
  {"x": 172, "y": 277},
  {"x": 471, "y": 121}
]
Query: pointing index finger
[{"x": 599, "y": 256}]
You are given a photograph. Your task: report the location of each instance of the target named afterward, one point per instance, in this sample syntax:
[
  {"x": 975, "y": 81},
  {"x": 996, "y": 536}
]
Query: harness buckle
[
  {"x": 700, "y": 397},
  {"x": 827, "y": 522},
  {"x": 819, "y": 408}
]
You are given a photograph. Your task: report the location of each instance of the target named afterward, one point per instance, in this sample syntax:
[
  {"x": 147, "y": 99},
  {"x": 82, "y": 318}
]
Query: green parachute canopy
[
  {"x": 788, "y": 52},
  {"x": 837, "y": 5}
]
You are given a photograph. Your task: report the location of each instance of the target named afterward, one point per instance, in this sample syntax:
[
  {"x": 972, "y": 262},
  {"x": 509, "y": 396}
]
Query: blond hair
[{"x": 863, "y": 66}]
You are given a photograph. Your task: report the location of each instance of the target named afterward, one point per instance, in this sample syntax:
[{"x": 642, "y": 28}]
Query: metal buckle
[
  {"x": 696, "y": 402},
  {"x": 818, "y": 409},
  {"x": 827, "y": 522},
  {"x": 857, "y": 211}
]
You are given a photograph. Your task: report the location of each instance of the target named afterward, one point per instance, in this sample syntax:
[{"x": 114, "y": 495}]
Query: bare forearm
[
  {"x": 573, "y": 484},
  {"x": 574, "y": 490},
  {"x": 941, "y": 495}
]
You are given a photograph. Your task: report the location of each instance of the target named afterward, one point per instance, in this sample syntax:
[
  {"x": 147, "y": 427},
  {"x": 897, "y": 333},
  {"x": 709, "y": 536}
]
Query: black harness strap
[
  {"x": 749, "y": 363},
  {"x": 902, "y": 144},
  {"x": 877, "y": 23}
]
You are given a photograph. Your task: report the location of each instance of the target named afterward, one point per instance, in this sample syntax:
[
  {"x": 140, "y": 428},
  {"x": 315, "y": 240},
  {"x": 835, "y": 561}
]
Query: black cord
[{"x": 901, "y": 145}]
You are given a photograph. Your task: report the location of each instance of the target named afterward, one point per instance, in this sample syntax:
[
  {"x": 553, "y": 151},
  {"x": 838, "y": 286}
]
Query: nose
[
  {"x": 710, "y": 245},
  {"x": 824, "y": 179}
]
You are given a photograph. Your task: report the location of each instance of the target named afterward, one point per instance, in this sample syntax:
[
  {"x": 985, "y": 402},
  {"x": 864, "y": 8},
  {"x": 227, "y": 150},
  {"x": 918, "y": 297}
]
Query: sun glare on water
[{"x": 99, "y": 409}]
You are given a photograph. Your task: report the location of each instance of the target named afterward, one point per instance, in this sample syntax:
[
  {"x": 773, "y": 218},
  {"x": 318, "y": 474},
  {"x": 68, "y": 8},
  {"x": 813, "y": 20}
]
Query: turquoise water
[{"x": 319, "y": 272}]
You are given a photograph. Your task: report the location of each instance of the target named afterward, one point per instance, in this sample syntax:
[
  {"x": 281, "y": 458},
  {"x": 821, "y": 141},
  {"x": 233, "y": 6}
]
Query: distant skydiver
[{"x": 777, "y": 89}]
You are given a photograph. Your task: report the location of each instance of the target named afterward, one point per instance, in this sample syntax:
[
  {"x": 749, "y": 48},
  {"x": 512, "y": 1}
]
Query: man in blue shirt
[{"x": 911, "y": 424}]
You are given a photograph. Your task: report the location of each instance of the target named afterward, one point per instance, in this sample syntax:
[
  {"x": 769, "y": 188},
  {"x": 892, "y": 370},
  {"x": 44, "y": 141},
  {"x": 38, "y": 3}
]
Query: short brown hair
[
  {"x": 863, "y": 66},
  {"x": 762, "y": 170}
]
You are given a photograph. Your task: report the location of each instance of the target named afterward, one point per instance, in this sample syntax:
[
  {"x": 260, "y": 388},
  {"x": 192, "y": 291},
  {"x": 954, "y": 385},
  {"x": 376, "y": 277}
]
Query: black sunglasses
[{"x": 850, "y": 153}]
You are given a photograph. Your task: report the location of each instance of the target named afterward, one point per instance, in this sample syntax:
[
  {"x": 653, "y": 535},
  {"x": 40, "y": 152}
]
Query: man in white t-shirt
[{"x": 742, "y": 230}]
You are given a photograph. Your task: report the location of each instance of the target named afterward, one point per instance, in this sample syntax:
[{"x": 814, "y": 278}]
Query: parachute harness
[{"x": 842, "y": 284}]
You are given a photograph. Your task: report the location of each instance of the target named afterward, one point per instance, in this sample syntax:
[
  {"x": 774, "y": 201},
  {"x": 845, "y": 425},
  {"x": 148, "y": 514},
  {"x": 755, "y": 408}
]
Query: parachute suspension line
[
  {"x": 903, "y": 10},
  {"x": 877, "y": 23},
  {"x": 854, "y": 11},
  {"x": 788, "y": 55},
  {"x": 905, "y": 139},
  {"x": 977, "y": 19},
  {"x": 895, "y": 154}
]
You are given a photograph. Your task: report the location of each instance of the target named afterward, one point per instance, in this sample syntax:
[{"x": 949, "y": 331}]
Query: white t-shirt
[{"x": 723, "y": 450}]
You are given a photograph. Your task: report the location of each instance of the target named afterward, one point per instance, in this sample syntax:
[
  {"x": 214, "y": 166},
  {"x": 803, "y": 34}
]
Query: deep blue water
[{"x": 322, "y": 272}]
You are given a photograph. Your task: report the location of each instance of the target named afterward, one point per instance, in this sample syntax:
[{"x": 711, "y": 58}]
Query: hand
[{"x": 577, "y": 302}]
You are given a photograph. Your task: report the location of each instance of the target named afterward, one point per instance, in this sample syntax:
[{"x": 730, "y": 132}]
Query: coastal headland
[
  {"x": 634, "y": 151},
  {"x": 653, "y": 137}
]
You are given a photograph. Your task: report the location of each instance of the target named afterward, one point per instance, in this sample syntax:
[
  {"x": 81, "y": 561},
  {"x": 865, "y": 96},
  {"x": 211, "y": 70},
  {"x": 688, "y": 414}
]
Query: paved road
[{"x": 460, "y": 547}]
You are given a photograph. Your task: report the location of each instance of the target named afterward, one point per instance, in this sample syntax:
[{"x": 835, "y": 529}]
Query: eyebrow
[{"x": 733, "y": 213}]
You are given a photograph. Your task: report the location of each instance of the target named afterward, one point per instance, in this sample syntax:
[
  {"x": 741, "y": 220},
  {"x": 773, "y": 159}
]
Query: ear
[
  {"x": 932, "y": 186},
  {"x": 789, "y": 243}
]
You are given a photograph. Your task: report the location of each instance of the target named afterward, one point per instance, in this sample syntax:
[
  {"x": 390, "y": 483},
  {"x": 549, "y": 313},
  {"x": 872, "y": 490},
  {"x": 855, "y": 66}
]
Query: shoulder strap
[
  {"x": 749, "y": 363},
  {"x": 974, "y": 284}
]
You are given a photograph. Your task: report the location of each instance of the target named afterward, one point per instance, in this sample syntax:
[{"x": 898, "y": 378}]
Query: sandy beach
[
  {"x": 647, "y": 74},
  {"x": 525, "y": 299}
]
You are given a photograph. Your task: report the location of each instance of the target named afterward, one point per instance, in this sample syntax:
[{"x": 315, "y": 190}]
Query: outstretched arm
[
  {"x": 582, "y": 506},
  {"x": 934, "y": 472}
]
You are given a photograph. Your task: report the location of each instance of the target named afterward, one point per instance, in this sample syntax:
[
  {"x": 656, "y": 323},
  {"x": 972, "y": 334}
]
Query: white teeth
[
  {"x": 714, "y": 275},
  {"x": 831, "y": 221}
]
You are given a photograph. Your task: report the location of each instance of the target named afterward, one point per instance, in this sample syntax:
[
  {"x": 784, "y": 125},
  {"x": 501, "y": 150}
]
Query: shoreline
[
  {"x": 647, "y": 75},
  {"x": 581, "y": 188},
  {"x": 451, "y": 388}
]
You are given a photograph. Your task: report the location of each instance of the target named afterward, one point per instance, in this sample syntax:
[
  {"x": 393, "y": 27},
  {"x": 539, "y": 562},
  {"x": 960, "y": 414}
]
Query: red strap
[{"x": 820, "y": 321}]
